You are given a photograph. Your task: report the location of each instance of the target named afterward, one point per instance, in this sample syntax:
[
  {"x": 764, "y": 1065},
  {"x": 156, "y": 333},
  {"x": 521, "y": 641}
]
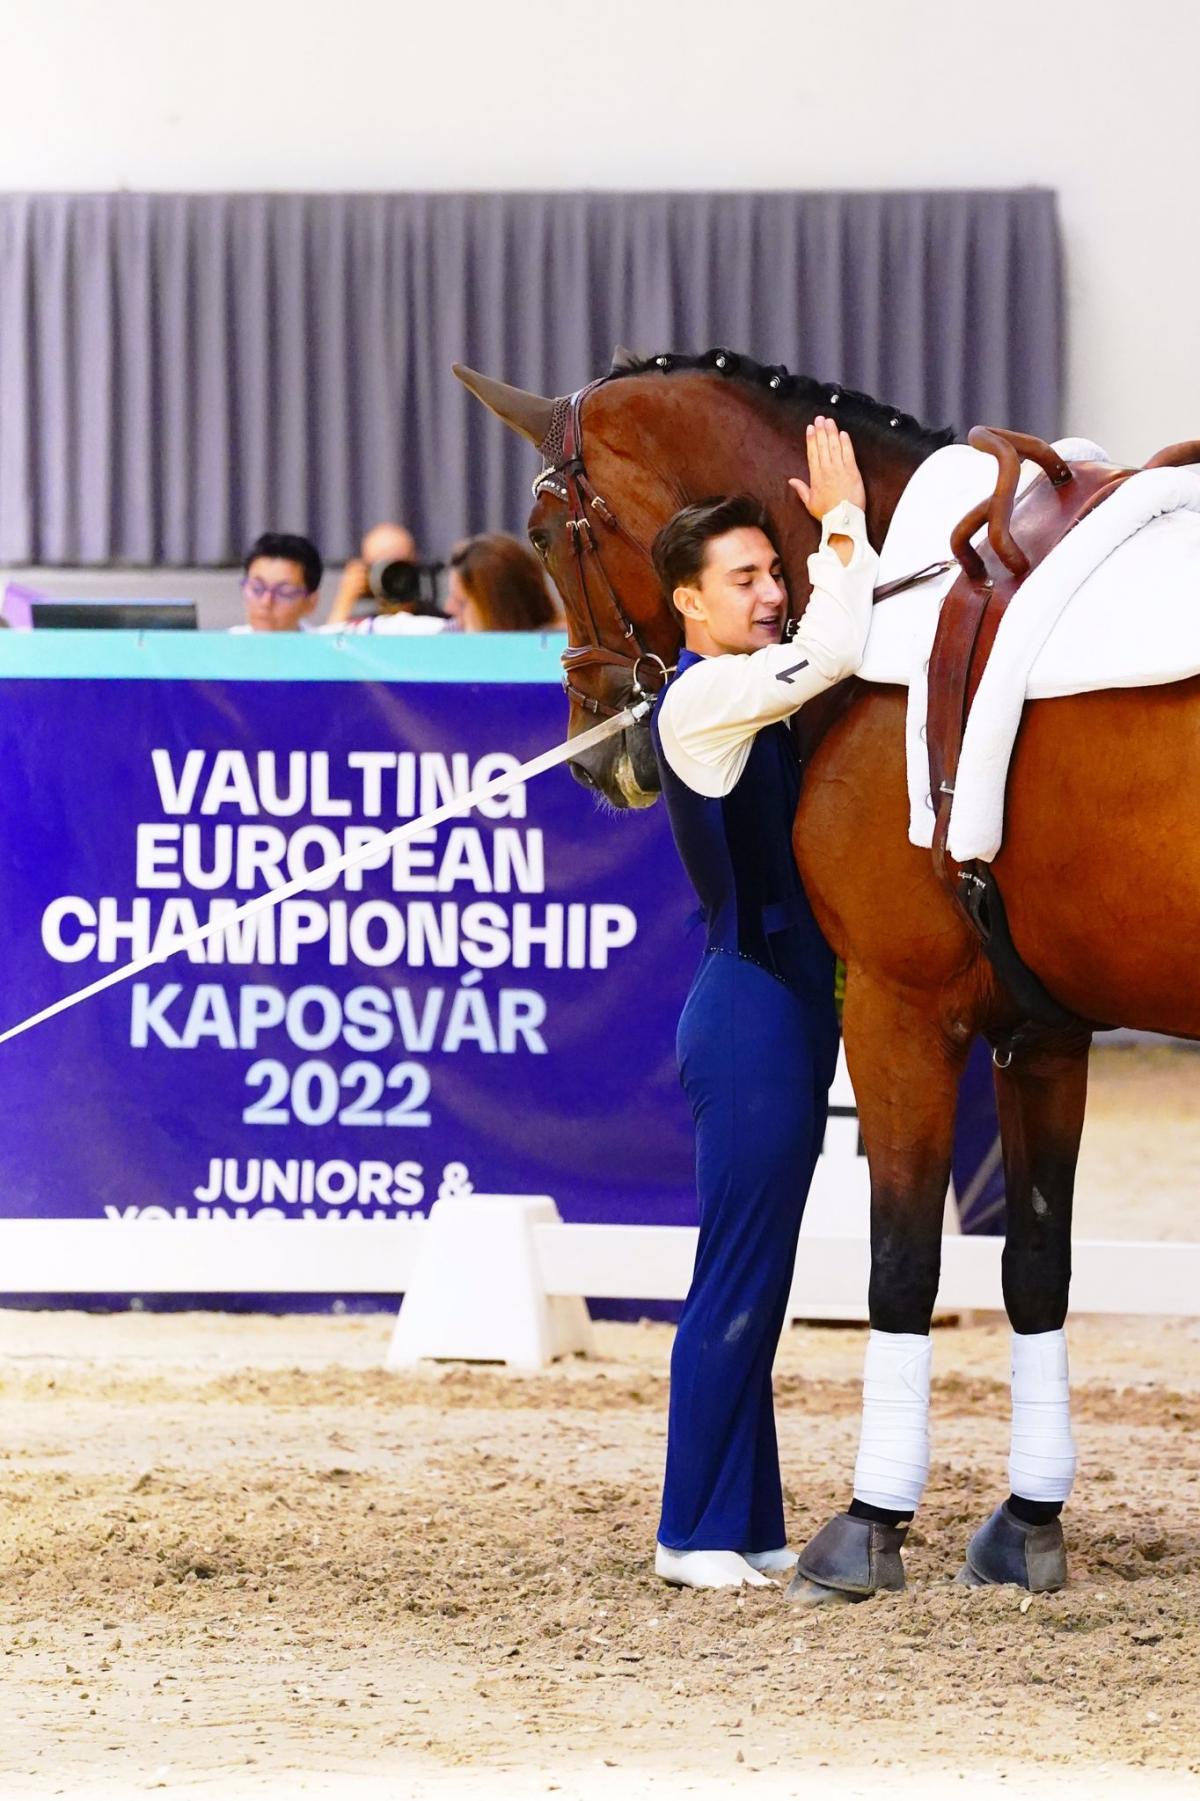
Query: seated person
[
  {"x": 383, "y": 544},
  {"x": 496, "y": 585},
  {"x": 281, "y": 576}
]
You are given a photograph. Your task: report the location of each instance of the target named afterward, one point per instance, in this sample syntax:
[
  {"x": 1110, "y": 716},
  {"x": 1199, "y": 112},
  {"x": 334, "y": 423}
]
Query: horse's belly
[{"x": 1100, "y": 869}]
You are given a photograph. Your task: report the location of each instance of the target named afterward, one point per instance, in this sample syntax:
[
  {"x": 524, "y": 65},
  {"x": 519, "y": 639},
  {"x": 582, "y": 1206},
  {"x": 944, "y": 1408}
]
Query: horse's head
[
  {"x": 597, "y": 506},
  {"x": 621, "y": 457}
]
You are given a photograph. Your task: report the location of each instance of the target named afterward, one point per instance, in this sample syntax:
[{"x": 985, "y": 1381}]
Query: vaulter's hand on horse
[{"x": 833, "y": 477}]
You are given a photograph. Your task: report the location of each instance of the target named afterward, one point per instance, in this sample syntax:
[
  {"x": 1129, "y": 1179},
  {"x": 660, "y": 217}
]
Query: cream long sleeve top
[{"x": 709, "y": 715}]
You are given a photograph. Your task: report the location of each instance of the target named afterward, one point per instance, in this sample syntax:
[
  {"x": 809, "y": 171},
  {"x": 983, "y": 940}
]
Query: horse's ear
[
  {"x": 623, "y": 359},
  {"x": 529, "y": 414}
]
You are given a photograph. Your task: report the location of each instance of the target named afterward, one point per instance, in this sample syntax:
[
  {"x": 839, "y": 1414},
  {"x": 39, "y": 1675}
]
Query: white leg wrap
[
  {"x": 1041, "y": 1466},
  {"x": 893, "y": 1452}
]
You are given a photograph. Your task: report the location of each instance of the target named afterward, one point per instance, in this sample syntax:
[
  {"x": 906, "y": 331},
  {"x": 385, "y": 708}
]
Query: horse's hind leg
[
  {"x": 1041, "y": 1094},
  {"x": 905, "y": 1066}
]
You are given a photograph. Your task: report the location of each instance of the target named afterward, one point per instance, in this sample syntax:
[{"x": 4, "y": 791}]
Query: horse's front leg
[
  {"x": 905, "y": 1065},
  {"x": 1041, "y": 1087}
]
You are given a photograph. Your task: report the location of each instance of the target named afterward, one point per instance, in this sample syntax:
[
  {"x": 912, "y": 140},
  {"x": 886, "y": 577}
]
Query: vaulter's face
[{"x": 740, "y": 601}]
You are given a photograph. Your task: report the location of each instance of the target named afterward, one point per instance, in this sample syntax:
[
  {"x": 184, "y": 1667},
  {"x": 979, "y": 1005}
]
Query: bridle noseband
[{"x": 566, "y": 478}]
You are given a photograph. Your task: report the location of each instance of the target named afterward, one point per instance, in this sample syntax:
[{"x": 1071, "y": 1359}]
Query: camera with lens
[{"x": 413, "y": 586}]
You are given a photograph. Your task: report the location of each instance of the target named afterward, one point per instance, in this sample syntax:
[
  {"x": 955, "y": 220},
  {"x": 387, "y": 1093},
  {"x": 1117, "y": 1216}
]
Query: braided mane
[{"x": 861, "y": 412}]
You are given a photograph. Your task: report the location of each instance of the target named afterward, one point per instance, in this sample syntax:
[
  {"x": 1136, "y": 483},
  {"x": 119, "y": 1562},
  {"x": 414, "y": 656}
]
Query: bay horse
[{"x": 1100, "y": 866}]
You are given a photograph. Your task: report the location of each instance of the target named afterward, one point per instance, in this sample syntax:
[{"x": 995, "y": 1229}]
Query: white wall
[{"x": 1095, "y": 98}]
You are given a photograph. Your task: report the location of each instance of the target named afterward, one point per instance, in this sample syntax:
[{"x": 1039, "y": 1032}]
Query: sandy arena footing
[{"x": 238, "y": 1558}]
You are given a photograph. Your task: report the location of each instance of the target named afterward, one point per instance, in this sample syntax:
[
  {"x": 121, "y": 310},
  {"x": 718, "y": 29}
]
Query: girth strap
[{"x": 970, "y": 617}]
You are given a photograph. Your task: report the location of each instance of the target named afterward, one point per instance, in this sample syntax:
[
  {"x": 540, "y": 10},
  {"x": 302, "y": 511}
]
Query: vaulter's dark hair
[
  {"x": 680, "y": 548},
  {"x": 292, "y": 549}
]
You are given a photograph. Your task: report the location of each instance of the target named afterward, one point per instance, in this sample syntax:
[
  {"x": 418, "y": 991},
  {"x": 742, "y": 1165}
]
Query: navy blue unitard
[{"x": 757, "y": 1046}]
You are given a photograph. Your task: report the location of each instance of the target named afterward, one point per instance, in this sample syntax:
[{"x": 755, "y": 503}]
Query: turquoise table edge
[{"x": 483, "y": 657}]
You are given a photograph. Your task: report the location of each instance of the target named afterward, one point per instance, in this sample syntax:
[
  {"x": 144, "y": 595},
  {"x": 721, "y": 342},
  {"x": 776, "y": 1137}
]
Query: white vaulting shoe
[
  {"x": 706, "y": 1569},
  {"x": 773, "y": 1563}
]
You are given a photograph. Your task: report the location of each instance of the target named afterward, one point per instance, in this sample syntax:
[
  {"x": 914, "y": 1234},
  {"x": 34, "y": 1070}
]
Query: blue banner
[{"x": 491, "y": 1007}]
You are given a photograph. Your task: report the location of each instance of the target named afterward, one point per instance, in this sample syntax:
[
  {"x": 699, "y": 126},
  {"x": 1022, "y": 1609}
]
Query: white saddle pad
[{"x": 1115, "y": 605}]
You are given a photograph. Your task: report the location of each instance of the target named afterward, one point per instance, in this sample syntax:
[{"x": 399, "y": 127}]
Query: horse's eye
[{"x": 541, "y": 544}]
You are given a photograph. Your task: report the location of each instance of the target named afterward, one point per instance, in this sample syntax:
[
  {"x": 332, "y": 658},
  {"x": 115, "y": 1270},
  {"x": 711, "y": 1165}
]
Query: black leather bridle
[{"x": 565, "y": 477}]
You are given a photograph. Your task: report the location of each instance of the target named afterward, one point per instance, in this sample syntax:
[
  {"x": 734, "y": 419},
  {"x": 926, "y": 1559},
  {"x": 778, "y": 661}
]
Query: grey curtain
[{"x": 181, "y": 372}]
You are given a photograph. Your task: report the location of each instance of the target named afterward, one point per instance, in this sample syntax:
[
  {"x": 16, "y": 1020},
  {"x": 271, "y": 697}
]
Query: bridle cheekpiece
[{"x": 565, "y": 476}]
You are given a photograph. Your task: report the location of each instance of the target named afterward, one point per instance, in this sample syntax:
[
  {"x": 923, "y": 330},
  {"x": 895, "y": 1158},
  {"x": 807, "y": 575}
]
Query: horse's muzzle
[{"x": 623, "y": 770}]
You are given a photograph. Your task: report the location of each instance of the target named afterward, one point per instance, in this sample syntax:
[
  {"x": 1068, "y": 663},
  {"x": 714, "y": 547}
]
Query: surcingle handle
[
  {"x": 1030, "y": 449},
  {"x": 1175, "y": 456},
  {"x": 1008, "y": 448}
]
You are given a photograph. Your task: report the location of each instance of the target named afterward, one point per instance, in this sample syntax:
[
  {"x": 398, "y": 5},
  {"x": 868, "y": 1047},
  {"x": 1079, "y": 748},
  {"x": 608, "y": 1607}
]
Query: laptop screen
[{"x": 115, "y": 615}]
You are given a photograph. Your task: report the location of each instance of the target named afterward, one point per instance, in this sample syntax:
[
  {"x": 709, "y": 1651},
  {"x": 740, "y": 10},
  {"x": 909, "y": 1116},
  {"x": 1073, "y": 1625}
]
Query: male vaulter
[{"x": 757, "y": 1040}]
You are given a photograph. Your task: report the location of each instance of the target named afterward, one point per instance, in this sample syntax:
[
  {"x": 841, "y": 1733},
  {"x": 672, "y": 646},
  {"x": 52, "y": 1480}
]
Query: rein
[{"x": 567, "y": 479}]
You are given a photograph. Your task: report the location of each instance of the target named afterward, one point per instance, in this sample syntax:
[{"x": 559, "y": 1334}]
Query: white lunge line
[{"x": 352, "y": 860}]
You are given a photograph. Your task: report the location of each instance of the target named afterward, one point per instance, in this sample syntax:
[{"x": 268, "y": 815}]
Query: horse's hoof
[
  {"x": 848, "y": 1560},
  {"x": 803, "y": 1593},
  {"x": 1006, "y": 1549}
]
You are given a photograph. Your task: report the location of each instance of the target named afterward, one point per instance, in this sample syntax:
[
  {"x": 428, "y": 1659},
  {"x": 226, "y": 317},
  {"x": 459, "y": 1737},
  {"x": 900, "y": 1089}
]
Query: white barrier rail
[{"x": 347, "y": 1257}]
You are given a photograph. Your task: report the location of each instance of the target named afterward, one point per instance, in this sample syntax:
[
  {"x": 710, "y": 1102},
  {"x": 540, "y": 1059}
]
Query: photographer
[{"x": 389, "y": 576}]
